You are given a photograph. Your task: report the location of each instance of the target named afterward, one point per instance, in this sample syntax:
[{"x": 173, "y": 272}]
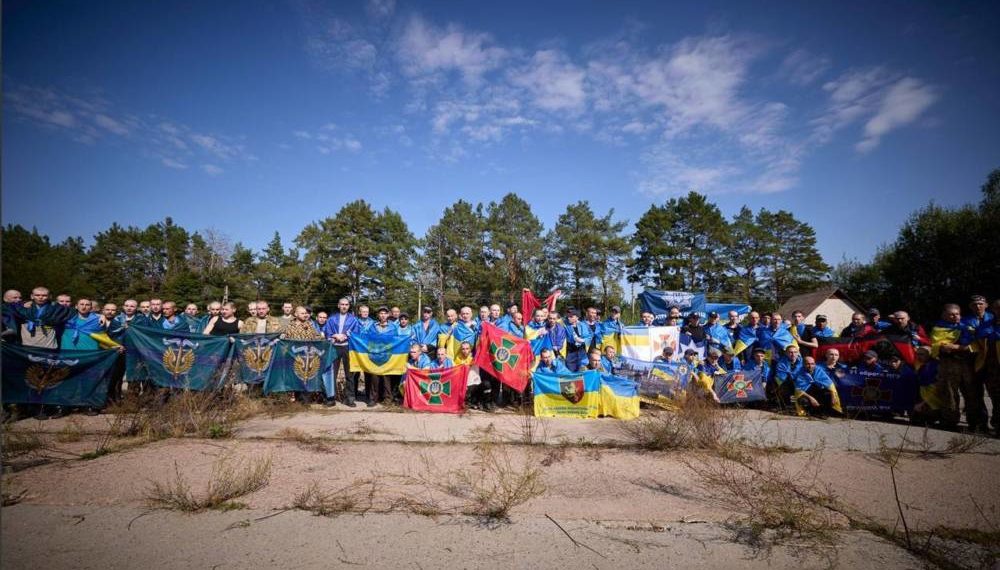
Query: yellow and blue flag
[
  {"x": 745, "y": 337},
  {"x": 619, "y": 398},
  {"x": 378, "y": 353},
  {"x": 574, "y": 395}
]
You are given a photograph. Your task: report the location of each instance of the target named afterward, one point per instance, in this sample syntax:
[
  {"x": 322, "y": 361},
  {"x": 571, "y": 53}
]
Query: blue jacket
[
  {"x": 804, "y": 379},
  {"x": 428, "y": 335},
  {"x": 351, "y": 325},
  {"x": 583, "y": 330}
]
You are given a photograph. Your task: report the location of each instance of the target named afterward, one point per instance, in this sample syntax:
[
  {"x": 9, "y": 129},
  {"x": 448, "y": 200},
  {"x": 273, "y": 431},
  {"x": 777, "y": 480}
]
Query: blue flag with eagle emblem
[
  {"x": 299, "y": 365},
  {"x": 176, "y": 358},
  {"x": 60, "y": 378}
]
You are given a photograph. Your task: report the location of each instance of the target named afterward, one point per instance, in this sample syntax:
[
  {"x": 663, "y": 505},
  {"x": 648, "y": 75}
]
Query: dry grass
[
  {"x": 306, "y": 441},
  {"x": 774, "y": 503},
  {"x": 20, "y": 443},
  {"x": 72, "y": 432},
  {"x": 230, "y": 479},
  {"x": 695, "y": 423},
  {"x": 489, "y": 488},
  {"x": 925, "y": 448}
]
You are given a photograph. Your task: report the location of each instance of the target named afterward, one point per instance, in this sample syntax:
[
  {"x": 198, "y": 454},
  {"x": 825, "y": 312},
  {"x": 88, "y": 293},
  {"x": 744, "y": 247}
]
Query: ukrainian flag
[
  {"x": 378, "y": 353},
  {"x": 619, "y": 398},
  {"x": 575, "y": 395},
  {"x": 539, "y": 339},
  {"x": 746, "y": 337}
]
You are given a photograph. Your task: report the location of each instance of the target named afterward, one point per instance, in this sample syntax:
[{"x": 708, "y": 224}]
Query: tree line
[
  {"x": 481, "y": 253},
  {"x": 941, "y": 255}
]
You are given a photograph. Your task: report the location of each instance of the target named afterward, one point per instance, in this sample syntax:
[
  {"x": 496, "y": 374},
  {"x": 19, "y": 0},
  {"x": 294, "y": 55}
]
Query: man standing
[
  {"x": 64, "y": 300},
  {"x": 338, "y": 330},
  {"x": 902, "y": 326},
  {"x": 578, "y": 339},
  {"x": 172, "y": 320},
  {"x": 859, "y": 327},
  {"x": 287, "y": 310},
  {"x": 594, "y": 323},
  {"x": 11, "y": 301},
  {"x": 427, "y": 331},
  {"x": 404, "y": 328},
  {"x": 781, "y": 390},
  {"x": 145, "y": 308},
  {"x": 646, "y": 320},
  {"x": 40, "y": 318},
  {"x": 79, "y": 327},
  {"x": 875, "y": 320},
  {"x": 979, "y": 320},
  {"x": 951, "y": 345},
  {"x": 557, "y": 334},
  {"x": 262, "y": 321}
]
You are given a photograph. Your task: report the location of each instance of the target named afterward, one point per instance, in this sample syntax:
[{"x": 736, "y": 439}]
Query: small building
[{"x": 831, "y": 301}]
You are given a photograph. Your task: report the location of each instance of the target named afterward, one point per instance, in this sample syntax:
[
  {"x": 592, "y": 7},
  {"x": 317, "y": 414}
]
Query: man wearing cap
[
  {"x": 870, "y": 363},
  {"x": 337, "y": 330},
  {"x": 810, "y": 337},
  {"x": 691, "y": 358},
  {"x": 613, "y": 324},
  {"x": 875, "y": 320},
  {"x": 693, "y": 327},
  {"x": 666, "y": 356},
  {"x": 578, "y": 339},
  {"x": 711, "y": 364},
  {"x": 404, "y": 328},
  {"x": 426, "y": 331},
  {"x": 758, "y": 359},
  {"x": 729, "y": 361}
]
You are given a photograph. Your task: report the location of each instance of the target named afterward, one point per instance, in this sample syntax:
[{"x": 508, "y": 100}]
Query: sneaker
[{"x": 329, "y": 402}]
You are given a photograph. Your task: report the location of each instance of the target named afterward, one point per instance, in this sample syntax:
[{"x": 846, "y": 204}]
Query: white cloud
[
  {"x": 874, "y": 95},
  {"x": 803, "y": 68},
  {"x": 903, "y": 103},
  {"x": 212, "y": 169},
  {"x": 424, "y": 49},
  {"x": 171, "y": 163},
  {"x": 380, "y": 9},
  {"x": 110, "y": 124},
  {"x": 553, "y": 81}
]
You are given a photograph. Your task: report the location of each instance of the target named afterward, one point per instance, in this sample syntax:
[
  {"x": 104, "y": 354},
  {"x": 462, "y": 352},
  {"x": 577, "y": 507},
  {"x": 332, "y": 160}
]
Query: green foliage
[
  {"x": 677, "y": 245},
  {"x": 359, "y": 253},
  {"x": 514, "y": 240},
  {"x": 941, "y": 255},
  {"x": 587, "y": 252},
  {"x": 454, "y": 264}
]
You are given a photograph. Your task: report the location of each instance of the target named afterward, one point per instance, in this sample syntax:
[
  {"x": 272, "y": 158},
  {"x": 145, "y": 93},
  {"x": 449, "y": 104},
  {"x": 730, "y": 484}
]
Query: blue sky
[{"x": 254, "y": 116}]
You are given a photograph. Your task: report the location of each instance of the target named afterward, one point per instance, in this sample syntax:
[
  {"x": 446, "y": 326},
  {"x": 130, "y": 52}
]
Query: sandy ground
[{"x": 633, "y": 507}]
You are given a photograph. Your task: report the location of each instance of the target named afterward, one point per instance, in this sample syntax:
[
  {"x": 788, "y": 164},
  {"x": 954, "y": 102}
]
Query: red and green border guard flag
[
  {"x": 504, "y": 356},
  {"x": 441, "y": 390}
]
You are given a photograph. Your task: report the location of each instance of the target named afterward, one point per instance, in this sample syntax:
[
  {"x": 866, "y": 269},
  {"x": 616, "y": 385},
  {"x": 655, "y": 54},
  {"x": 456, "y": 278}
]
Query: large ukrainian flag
[
  {"x": 378, "y": 353},
  {"x": 574, "y": 395},
  {"x": 619, "y": 398}
]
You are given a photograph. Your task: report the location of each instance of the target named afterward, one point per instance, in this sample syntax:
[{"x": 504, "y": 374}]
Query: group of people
[{"x": 957, "y": 362}]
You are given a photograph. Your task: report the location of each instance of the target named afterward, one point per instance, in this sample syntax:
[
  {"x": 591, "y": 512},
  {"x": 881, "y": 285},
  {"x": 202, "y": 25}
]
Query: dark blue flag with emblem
[
  {"x": 873, "y": 392},
  {"x": 255, "y": 354},
  {"x": 60, "y": 378},
  {"x": 175, "y": 358},
  {"x": 740, "y": 386},
  {"x": 299, "y": 366}
]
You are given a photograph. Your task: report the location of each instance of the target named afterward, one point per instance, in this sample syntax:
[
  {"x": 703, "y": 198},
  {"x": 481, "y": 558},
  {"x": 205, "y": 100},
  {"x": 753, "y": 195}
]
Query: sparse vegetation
[
  {"x": 695, "y": 423},
  {"x": 306, "y": 441},
  {"x": 230, "y": 479}
]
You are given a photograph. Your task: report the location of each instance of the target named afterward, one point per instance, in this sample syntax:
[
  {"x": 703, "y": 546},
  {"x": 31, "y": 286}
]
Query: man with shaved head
[
  {"x": 11, "y": 301},
  {"x": 40, "y": 320}
]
